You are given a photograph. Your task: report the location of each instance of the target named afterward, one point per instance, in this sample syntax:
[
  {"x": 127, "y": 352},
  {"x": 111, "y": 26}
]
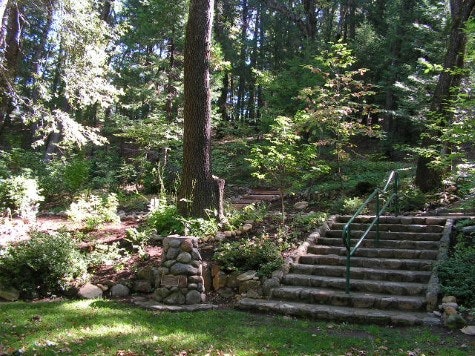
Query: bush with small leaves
[
  {"x": 261, "y": 255},
  {"x": 20, "y": 194},
  {"x": 42, "y": 266},
  {"x": 94, "y": 209}
]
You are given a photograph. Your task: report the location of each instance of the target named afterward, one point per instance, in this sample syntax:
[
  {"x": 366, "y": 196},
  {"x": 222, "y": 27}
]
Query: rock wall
[{"x": 180, "y": 277}]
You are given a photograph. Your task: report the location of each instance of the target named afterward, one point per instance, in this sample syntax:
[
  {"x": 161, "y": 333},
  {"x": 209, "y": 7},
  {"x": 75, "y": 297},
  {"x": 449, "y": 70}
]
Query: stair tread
[
  {"x": 335, "y": 292},
  {"x": 367, "y": 269},
  {"x": 331, "y": 312},
  {"x": 353, "y": 280},
  {"x": 373, "y": 259}
]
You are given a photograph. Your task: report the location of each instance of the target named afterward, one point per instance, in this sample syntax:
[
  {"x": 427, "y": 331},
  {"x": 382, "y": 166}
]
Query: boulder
[
  {"x": 246, "y": 276},
  {"x": 176, "y": 298},
  {"x": 90, "y": 291},
  {"x": 142, "y": 286},
  {"x": 301, "y": 205},
  {"x": 193, "y": 297},
  {"x": 119, "y": 291},
  {"x": 9, "y": 293},
  {"x": 455, "y": 321}
]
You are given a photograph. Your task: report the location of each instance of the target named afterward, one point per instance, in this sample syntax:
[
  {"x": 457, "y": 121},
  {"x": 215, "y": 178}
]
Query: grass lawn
[{"x": 101, "y": 327}]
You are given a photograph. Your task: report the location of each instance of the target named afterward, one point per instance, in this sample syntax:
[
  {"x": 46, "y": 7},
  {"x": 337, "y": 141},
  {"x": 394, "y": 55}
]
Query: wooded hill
[{"x": 92, "y": 91}]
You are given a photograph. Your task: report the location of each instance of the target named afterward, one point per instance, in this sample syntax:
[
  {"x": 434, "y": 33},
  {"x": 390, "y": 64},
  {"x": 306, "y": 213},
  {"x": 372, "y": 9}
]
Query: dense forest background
[{"x": 92, "y": 92}]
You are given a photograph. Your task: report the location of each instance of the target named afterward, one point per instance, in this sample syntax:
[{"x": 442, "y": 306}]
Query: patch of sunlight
[
  {"x": 112, "y": 330},
  {"x": 76, "y": 305}
]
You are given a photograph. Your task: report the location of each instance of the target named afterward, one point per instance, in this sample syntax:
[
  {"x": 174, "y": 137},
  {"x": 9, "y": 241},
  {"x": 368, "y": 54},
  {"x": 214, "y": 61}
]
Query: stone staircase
[{"x": 392, "y": 280}]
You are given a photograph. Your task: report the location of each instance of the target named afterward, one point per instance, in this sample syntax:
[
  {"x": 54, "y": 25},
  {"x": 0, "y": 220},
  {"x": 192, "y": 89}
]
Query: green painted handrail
[{"x": 376, "y": 195}]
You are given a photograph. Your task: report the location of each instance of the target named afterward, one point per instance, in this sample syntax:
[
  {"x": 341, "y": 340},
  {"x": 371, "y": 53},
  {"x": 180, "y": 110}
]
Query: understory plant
[
  {"x": 457, "y": 273},
  {"x": 94, "y": 209},
  {"x": 261, "y": 255},
  {"x": 21, "y": 195},
  {"x": 42, "y": 266}
]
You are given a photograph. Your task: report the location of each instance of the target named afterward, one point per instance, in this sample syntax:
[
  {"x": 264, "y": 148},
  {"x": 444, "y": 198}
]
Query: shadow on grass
[{"x": 102, "y": 327}]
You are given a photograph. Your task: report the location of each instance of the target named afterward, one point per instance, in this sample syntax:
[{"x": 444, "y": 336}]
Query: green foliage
[
  {"x": 20, "y": 194},
  {"x": 335, "y": 110},
  {"x": 229, "y": 160},
  {"x": 457, "y": 274},
  {"x": 42, "y": 266},
  {"x": 261, "y": 255},
  {"x": 106, "y": 255},
  {"x": 307, "y": 222},
  {"x": 94, "y": 209},
  {"x": 351, "y": 205},
  {"x": 411, "y": 199},
  {"x": 166, "y": 220},
  {"x": 252, "y": 212},
  {"x": 283, "y": 159}
]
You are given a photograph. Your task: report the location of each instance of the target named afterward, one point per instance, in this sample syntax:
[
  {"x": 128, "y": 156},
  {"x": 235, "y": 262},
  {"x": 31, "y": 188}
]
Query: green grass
[{"x": 103, "y": 327}]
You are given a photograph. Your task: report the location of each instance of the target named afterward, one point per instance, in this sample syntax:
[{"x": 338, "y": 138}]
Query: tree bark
[
  {"x": 428, "y": 178},
  {"x": 199, "y": 190}
]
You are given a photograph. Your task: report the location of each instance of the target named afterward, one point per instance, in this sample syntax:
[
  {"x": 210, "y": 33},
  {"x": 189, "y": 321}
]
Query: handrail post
[
  {"x": 396, "y": 193},
  {"x": 348, "y": 265},
  {"x": 377, "y": 218}
]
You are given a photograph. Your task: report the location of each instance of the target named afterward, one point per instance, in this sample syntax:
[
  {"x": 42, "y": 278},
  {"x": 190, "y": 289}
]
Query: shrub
[
  {"x": 166, "y": 220},
  {"x": 412, "y": 199},
  {"x": 94, "y": 209},
  {"x": 261, "y": 255},
  {"x": 457, "y": 274},
  {"x": 252, "y": 212},
  {"x": 44, "y": 265},
  {"x": 20, "y": 194}
]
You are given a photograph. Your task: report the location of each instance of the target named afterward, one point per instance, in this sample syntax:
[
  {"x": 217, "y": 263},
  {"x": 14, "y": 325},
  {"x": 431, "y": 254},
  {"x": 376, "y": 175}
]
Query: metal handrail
[{"x": 393, "y": 176}]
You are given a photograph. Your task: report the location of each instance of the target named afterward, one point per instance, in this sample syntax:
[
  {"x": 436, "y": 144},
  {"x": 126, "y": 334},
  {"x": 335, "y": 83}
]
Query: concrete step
[
  {"x": 392, "y": 227},
  {"x": 403, "y": 220},
  {"x": 357, "y": 285},
  {"x": 371, "y": 243},
  {"x": 336, "y": 313},
  {"x": 354, "y": 299},
  {"x": 388, "y": 235},
  {"x": 381, "y": 263},
  {"x": 375, "y": 252},
  {"x": 392, "y": 275}
]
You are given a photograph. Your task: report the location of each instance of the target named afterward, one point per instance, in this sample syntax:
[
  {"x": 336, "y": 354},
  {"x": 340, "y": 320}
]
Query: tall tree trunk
[
  {"x": 428, "y": 178},
  {"x": 242, "y": 68},
  {"x": 3, "y": 20},
  {"x": 10, "y": 64},
  {"x": 199, "y": 190}
]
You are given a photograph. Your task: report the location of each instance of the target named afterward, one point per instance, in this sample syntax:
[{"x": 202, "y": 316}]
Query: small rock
[
  {"x": 226, "y": 293},
  {"x": 228, "y": 233},
  {"x": 246, "y": 228},
  {"x": 172, "y": 253},
  {"x": 90, "y": 291},
  {"x": 187, "y": 245},
  {"x": 119, "y": 291},
  {"x": 449, "y": 310},
  {"x": 146, "y": 273},
  {"x": 301, "y": 205},
  {"x": 455, "y": 321},
  {"x": 449, "y": 299},
  {"x": 444, "y": 306},
  {"x": 468, "y": 330},
  {"x": 176, "y": 298},
  {"x": 142, "y": 286},
  {"x": 437, "y": 313},
  {"x": 193, "y": 297},
  {"x": 269, "y": 284},
  {"x": 184, "y": 257},
  {"x": 9, "y": 293},
  {"x": 183, "y": 269},
  {"x": 246, "y": 276}
]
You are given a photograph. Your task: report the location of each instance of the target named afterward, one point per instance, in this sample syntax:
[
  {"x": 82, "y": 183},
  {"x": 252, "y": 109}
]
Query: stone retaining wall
[{"x": 180, "y": 277}]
